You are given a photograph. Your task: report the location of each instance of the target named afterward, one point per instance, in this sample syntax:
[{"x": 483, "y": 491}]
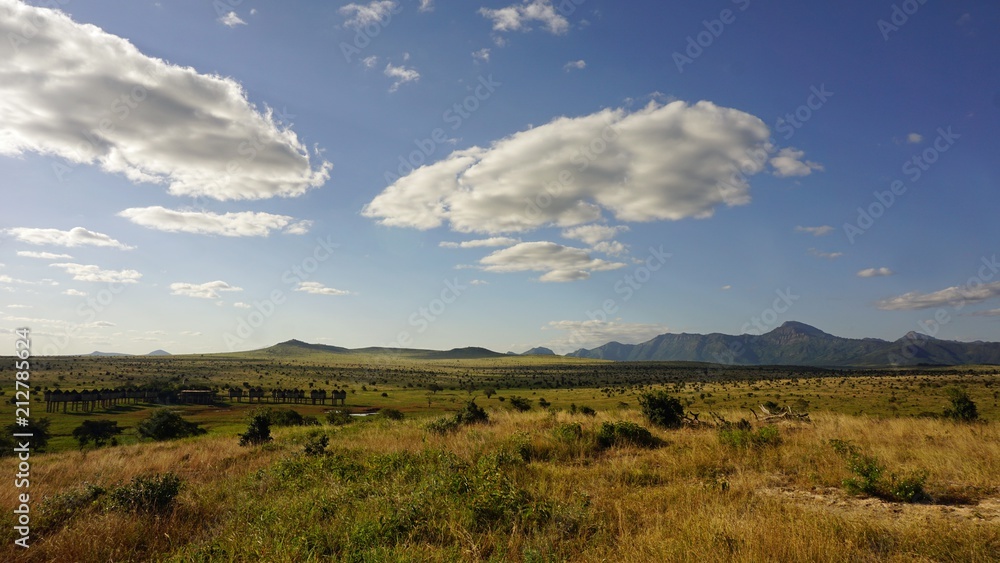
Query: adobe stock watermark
[
  {"x": 625, "y": 289},
  {"x": 766, "y": 321},
  {"x": 32, "y": 25},
  {"x": 913, "y": 168},
  {"x": 788, "y": 124},
  {"x": 928, "y": 329},
  {"x": 262, "y": 310},
  {"x": 455, "y": 116},
  {"x": 898, "y": 17},
  {"x": 696, "y": 44},
  {"x": 365, "y": 34}
]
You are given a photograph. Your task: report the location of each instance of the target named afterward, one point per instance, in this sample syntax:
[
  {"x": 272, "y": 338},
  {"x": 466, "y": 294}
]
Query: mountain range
[{"x": 795, "y": 343}]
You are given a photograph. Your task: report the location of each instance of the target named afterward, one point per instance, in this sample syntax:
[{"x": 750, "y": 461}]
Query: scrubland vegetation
[{"x": 593, "y": 476}]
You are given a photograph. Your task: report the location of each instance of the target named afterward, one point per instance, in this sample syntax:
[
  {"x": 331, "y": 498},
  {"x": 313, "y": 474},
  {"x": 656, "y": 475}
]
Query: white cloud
[
  {"x": 663, "y": 162},
  {"x": 360, "y": 15},
  {"x": 190, "y": 333},
  {"x": 208, "y": 290},
  {"x": 231, "y": 20},
  {"x": 241, "y": 305},
  {"x": 20, "y": 307},
  {"x": 593, "y": 333},
  {"x": 948, "y": 296},
  {"x": 827, "y": 255},
  {"x": 370, "y": 62},
  {"x": 611, "y": 248},
  {"x": 789, "y": 163},
  {"x": 43, "y": 255},
  {"x": 482, "y": 55},
  {"x": 75, "y": 293},
  {"x": 875, "y": 272},
  {"x": 77, "y": 236},
  {"x": 560, "y": 263},
  {"x": 317, "y": 288},
  {"x": 989, "y": 313},
  {"x": 519, "y": 17},
  {"x": 815, "y": 231},
  {"x": 593, "y": 234},
  {"x": 242, "y": 224},
  {"x": 91, "y": 273},
  {"x": 726, "y": 287},
  {"x": 481, "y": 243},
  {"x": 914, "y": 138},
  {"x": 479, "y": 282},
  {"x": 575, "y": 65},
  {"x": 426, "y": 5},
  {"x": 400, "y": 75},
  {"x": 79, "y": 93}
]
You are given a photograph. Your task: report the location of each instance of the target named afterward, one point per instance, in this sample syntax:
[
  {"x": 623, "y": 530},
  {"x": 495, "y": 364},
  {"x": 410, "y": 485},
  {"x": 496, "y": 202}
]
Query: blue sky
[{"x": 214, "y": 176}]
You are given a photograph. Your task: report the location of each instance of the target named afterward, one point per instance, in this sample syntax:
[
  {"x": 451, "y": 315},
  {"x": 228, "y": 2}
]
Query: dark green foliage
[
  {"x": 661, "y": 409},
  {"x": 543, "y": 403},
  {"x": 145, "y": 494},
  {"x": 391, "y": 414},
  {"x": 99, "y": 432},
  {"x": 568, "y": 432},
  {"x": 962, "y": 408},
  {"x": 742, "y": 436},
  {"x": 443, "y": 425},
  {"x": 59, "y": 508},
  {"x": 520, "y": 404},
  {"x": 258, "y": 431},
  {"x": 164, "y": 424},
  {"x": 285, "y": 417},
  {"x": 587, "y": 411},
  {"x": 872, "y": 478},
  {"x": 37, "y": 426},
  {"x": 472, "y": 414},
  {"x": 622, "y": 433},
  {"x": 316, "y": 443},
  {"x": 339, "y": 417}
]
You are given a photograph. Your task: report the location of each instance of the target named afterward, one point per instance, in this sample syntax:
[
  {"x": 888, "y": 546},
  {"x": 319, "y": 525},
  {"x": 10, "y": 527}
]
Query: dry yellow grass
[{"x": 693, "y": 499}]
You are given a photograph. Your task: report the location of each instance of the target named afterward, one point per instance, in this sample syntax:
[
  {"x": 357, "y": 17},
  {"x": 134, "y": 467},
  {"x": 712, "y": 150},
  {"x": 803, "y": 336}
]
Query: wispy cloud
[
  {"x": 43, "y": 255},
  {"x": 789, "y": 162},
  {"x": 360, "y": 15},
  {"x": 91, "y": 273},
  {"x": 875, "y": 272},
  {"x": 575, "y": 65},
  {"x": 400, "y": 75},
  {"x": 560, "y": 263},
  {"x": 815, "y": 231},
  {"x": 317, "y": 288},
  {"x": 231, "y": 20},
  {"x": 827, "y": 255},
  {"x": 481, "y": 243},
  {"x": 948, "y": 296},
  {"x": 593, "y": 333},
  {"x": 520, "y": 17},
  {"x": 209, "y": 290},
  {"x": 241, "y": 224},
  {"x": 77, "y": 236}
]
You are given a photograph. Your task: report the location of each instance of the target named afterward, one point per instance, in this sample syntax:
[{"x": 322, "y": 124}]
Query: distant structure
[{"x": 196, "y": 396}]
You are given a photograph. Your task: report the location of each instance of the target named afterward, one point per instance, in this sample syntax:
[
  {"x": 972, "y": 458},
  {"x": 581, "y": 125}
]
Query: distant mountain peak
[
  {"x": 539, "y": 351},
  {"x": 799, "y": 328},
  {"x": 159, "y": 353}
]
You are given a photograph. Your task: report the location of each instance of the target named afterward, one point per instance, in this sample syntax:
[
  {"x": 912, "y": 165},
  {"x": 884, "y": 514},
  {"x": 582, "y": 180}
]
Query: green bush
[
  {"x": 472, "y": 414},
  {"x": 443, "y": 425},
  {"x": 962, "y": 408},
  {"x": 520, "y": 404},
  {"x": 99, "y": 432},
  {"x": 742, "y": 436},
  {"x": 38, "y": 427},
  {"x": 872, "y": 479},
  {"x": 285, "y": 417},
  {"x": 59, "y": 508},
  {"x": 587, "y": 411},
  {"x": 164, "y": 424},
  {"x": 661, "y": 409},
  {"x": 258, "y": 431},
  {"x": 145, "y": 494},
  {"x": 569, "y": 432},
  {"x": 316, "y": 443},
  {"x": 339, "y": 417},
  {"x": 624, "y": 433},
  {"x": 391, "y": 414}
]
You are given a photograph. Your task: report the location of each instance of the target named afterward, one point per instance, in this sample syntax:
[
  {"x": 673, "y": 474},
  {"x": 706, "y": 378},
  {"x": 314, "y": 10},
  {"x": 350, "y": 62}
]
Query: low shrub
[
  {"x": 962, "y": 408},
  {"x": 661, "y": 409},
  {"x": 165, "y": 424},
  {"x": 391, "y": 414},
  {"x": 742, "y": 436},
  {"x": 339, "y": 417},
  {"x": 145, "y": 494},
  {"x": 316, "y": 443},
  {"x": 258, "y": 431},
  {"x": 872, "y": 479},
  {"x": 623, "y": 433},
  {"x": 520, "y": 404}
]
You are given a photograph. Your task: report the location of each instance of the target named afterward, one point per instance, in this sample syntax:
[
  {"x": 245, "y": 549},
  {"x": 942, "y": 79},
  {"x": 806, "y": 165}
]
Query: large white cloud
[
  {"x": 560, "y": 263},
  {"x": 77, "y": 92},
  {"x": 665, "y": 162},
  {"x": 77, "y": 236},
  {"x": 91, "y": 273},
  {"x": 242, "y": 224}
]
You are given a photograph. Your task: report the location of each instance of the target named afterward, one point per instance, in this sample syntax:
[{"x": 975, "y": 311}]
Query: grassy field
[{"x": 542, "y": 485}]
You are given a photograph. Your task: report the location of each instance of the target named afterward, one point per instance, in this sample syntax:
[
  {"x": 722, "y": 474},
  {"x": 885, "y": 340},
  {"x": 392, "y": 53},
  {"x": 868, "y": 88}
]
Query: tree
[
  {"x": 164, "y": 424},
  {"x": 962, "y": 408},
  {"x": 521, "y": 404},
  {"x": 258, "y": 431},
  {"x": 661, "y": 409},
  {"x": 99, "y": 432},
  {"x": 38, "y": 427}
]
